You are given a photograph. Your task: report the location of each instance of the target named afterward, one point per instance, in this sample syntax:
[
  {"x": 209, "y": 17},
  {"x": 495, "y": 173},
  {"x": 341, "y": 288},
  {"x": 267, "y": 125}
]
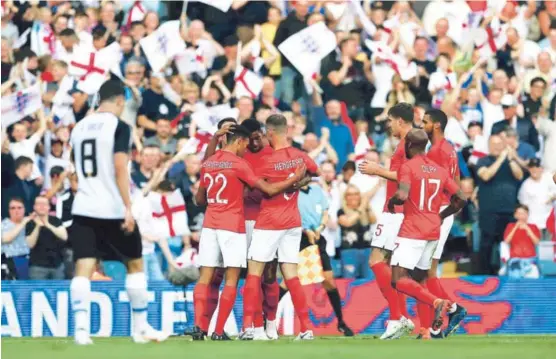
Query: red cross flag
[
  {"x": 306, "y": 48},
  {"x": 91, "y": 68},
  {"x": 399, "y": 63},
  {"x": 248, "y": 83},
  {"x": 168, "y": 213},
  {"x": 20, "y": 104},
  {"x": 163, "y": 45},
  {"x": 136, "y": 13},
  {"x": 191, "y": 61},
  {"x": 362, "y": 146},
  {"x": 43, "y": 40},
  {"x": 222, "y": 5},
  {"x": 490, "y": 39}
]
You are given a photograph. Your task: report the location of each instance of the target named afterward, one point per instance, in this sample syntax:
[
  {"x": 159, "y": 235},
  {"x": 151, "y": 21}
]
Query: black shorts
[
  {"x": 104, "y": 239},
  {"x": 325, "y": 259}
]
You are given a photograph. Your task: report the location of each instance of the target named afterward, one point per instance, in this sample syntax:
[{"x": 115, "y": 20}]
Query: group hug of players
[{"x": 250, "y": 187}]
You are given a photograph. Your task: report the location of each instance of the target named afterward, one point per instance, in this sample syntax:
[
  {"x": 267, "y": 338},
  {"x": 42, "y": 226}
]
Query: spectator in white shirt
[
  {"x": 538, "y": 192},
  {"x": 23, "y": 146}
]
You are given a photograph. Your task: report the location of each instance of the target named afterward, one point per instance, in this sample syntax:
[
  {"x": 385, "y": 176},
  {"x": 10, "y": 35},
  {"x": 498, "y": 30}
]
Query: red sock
[
  {"x": 271, "y": 294},
  {"x": 251, "y": 299},
  {"x": 425, "y": 315},
  {"x": 402, "y": 298},
  {"x": 213, "y": 292},
  {"x": 200, "y": 304},
  {"x": 383, "y": 275},
  {"x": 227, "y": 300},
  {"x": 417, "y": 291},
  {"x": 434, "y": 286},
  {"x": 299, "y": 302}
]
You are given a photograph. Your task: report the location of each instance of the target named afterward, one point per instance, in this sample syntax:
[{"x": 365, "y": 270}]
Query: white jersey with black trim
[{"x": 95, "y": 140}]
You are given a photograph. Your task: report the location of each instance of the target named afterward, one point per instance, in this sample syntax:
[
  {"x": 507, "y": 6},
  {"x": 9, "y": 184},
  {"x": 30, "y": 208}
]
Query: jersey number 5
[
  {"x": 89, "y": 158},
  {"x": 219, "y": 178},
  {"x": 423, "y": 194}
]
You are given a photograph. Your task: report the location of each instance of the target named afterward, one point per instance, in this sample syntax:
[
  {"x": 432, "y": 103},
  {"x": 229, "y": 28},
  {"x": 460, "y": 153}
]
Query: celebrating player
[
  {"x": 400, "y": 122},
  {"x": 101, "y": 144},
  {"x": 223, "y": 242},
  {"x": 421, "y": 184},
  {"x": 443, "y": 153},
  {"x": 277, "y": 229}
]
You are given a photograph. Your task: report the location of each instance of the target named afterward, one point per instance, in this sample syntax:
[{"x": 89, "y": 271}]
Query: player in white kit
[{"x": 103, "y": 226}]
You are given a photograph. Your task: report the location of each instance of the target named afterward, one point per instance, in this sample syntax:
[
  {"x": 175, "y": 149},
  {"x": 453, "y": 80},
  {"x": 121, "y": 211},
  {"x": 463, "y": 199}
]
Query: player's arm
[
  {"x": 374, "y": 169},
  {"x": 487, "y": 172},
  {"x": 201, "y": 195},
  {"x": 399, "y": 197},
  {"x": 121, "y": 159},
  {"x": 272, "y": 189},
  {"x": 303, "y": 182},
  {"x": 213, "y": 143},
  {"x": 457, "y": 200}
]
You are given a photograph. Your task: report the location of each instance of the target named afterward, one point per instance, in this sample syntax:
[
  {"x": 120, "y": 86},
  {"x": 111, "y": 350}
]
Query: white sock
[
  {"x": 136, "y": 287},
  {"x": 80, "y": 292},
  {"x": 453, "y": 308}
]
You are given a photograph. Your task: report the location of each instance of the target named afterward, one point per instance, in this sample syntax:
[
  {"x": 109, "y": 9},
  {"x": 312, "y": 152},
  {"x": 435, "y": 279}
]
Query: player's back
[
  {"x": 94, "y": 141},
  {"x": 444, "y": 154},
  {"x": 428, "y": 181},
  {"x": 397, "y": 160},
  {"x": 224, "y": 176},
  {"x": 253, "y": 197},
  {"x": 281, "y": 211}
]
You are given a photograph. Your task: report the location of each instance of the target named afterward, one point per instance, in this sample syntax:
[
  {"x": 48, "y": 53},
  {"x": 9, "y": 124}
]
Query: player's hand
[
  {"x": 369, "y": 168},
  {"x": 300, "y": 172},
  {"x": 129, "y": 223},
  {"x": 228, "y": 127},
  {"x": 325, "y": 135},
  {"x": 391, "y": 206},
  {"x": 195, "y": 236}
]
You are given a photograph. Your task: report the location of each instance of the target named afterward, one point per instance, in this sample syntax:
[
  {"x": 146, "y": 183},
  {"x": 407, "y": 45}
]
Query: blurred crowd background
[{"x": 490, "y": 65}]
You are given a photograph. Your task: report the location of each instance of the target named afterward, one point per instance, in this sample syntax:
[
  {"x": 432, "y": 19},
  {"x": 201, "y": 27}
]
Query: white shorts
[
  {"x": 220, "y": 248},
  {"x": 411, "y": 253},
  {"x": 266, "y": 243},
  {"x": 386, "y": 230},
  {"x": 249, "y": 227},
  {"x": 445, "y": 229}
]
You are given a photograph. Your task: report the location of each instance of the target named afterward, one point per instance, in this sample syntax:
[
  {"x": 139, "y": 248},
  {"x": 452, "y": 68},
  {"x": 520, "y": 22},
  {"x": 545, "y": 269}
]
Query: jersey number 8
[
  {"x": 219, "y": 177},
  {"x": 89, "y": 158}
]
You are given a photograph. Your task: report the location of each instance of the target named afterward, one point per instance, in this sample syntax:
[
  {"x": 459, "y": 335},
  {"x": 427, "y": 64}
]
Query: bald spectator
[
  {"x": 442, "y": 26},
  {"x": 499, "y": 177},
  {"x": 518, "y": 55}
]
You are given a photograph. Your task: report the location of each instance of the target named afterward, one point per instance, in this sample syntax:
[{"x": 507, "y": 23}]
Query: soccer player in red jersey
[
  {"x": 277, "y": 229},
  {"x": 400, "y": 122},
  {"x": 421, "y": 183},
  {"x": 223, "y": 242},
  {"x": 444, "y": 154},
  {"x": 257, "y": 152}
]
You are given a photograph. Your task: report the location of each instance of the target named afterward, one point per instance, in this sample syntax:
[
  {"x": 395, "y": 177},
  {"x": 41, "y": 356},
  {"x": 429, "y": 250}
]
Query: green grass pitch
[{"x": 458, "y": 347}]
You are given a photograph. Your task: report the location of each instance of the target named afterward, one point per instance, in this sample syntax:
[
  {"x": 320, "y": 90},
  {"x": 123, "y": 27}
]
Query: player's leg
[
  {"x": 456, "y": 313},
  {"x": 271, "y": 298},
  {"x": 83, "y": 241},
  {"x": 261, "y": 251},
  {"x": 214, "y": 293},
  {"x": 233, "y": 247},
  {"x": 408, "y": 255},
  {"x": 329, "y": 285},
  {"x": 209, "y": 259},
  {"x": 288, "y": 257}
]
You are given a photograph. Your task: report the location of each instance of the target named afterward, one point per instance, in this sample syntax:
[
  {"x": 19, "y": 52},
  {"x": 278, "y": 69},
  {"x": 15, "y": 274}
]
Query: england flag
[
  {"x": 43, "y": 39},
  {"x": 163, "y": 45},
  {"x": 191, "y": 61},
  {"x": 399, "y": 63},
  {"x": 247, "y": 84},
  {"x": 306, "y": 48},
  {"x": 20, "y": 104},
  {"x": 169, "y": 217},
  {"x": 490, "y": 39},
  {"x": 91, "y": 68},
  {"x": 362, "y": 146}
]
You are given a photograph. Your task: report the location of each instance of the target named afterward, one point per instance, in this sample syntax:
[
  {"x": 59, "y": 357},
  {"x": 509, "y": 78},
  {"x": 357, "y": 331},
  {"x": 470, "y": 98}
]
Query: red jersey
[
  {"x": 281, "y": 211},
  {"x": 398, "y": 158},
  {"x": 444, "y": 154},
  {"x": 224, "y": 175},
  {"x": 427, "y": 181},
  {"x": 521, "y": 245},
  {"x": 253, "y": 197}
]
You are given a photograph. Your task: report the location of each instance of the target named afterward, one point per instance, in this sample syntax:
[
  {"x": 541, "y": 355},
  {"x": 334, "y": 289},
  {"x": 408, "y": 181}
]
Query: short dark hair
[
  {"x": 438, "y": 116},
  {"x": 443, "y": 54},
  {"x": 522, "y": 206},
  {"x": 225, "y": 120},
  {"x": 277, "y": 121},
  {"x": 56, "y": 171},
  {"x": 238, "y": 131},
  {"x": 537, "y": 79},
  {"x": 166, "y": 186},
  {"x": 17, "y": 199},
  {"x": 251, "y": 125},
  {"x": 22, "y": 161},
  {"x": 161, "y": 117},
  {"x": 110, "y": 90},
  {"x": 264, "y": 106},
  {"x": 475, "y": 123},
  {"x": 136, "y": 23},
  {"x": 98, "y": 32},
  {"x": 349, "y": 165},
  {"x": 345, "y": 41},
  {"x": 24, "y": 53},
  {"x": 402, "y": 110},
  {"x": 68, "y": 33}
]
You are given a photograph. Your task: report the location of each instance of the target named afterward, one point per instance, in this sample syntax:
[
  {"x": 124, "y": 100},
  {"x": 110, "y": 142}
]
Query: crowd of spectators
[{"x": 500, "y": 106}]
